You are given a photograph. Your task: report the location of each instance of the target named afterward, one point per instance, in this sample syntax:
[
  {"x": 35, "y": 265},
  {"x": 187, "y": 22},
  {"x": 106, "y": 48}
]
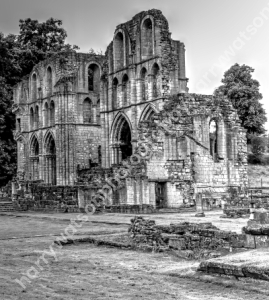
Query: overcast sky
[{"x": 216, "y": 33}]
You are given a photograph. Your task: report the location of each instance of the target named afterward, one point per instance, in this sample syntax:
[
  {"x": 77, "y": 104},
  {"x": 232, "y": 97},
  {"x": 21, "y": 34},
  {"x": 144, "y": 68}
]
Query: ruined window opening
[
  {"x": 50, "y": 160},
  {"x": 52, "y": 113},
  {"x": 100, "y": 155},
  {"x": 155, "y": 77},
  {"x": 19, "y": 124},
  {"x": 34, "y": 159},
  {"x": 114, "y": 93},
  {"x": 125, "y": 82},
  {"x": 49, "y": 81},
  {"x": 98, "y": 120},
  {"x": 94, "y": 78},
  {"x": 46, "y": 115},
  {"x": 144, "y": 84},
  {"x": 31, "y": 119},
  {"x": 213, "y": 138},
  {"x": 125, "y": 141},
  {"x": 87, "y": 110},
  {"x": 34, "y": 87},
  {"x": 119, "y": 51},
  {"x": 147, "y": 39},
  {"x": 36, "y": 117}
]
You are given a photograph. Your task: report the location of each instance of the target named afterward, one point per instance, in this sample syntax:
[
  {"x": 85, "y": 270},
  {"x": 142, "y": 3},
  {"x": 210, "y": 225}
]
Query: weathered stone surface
[{"x": 124, "y": 124}]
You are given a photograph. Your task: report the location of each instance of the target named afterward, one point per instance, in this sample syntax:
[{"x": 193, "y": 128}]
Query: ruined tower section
[
  {"x": 58, "y": 118},
  {"x": 145, "y": 65}
]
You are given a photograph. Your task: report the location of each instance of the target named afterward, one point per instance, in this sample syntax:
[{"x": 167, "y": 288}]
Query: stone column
[
  {"x": 151, "y": 87},
  {"x": 199, "y": 206}
]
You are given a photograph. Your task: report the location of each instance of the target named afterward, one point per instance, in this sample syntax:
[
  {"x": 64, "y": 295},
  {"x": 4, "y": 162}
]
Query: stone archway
[
  {"x": 121, "y": 140},
  {"x": 50, "y": 160}
]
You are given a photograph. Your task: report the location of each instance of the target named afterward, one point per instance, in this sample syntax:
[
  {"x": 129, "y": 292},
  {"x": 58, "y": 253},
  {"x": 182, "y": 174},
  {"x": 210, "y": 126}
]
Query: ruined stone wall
[{"x": 60, "y": 114}]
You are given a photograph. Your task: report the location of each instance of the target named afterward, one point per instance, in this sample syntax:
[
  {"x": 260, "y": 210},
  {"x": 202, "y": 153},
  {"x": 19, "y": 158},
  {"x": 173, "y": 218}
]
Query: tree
[
  {"x": 18, "y": 55},
  {"x": 7, "y": 144},
  {"x": 243, "y": 92}
]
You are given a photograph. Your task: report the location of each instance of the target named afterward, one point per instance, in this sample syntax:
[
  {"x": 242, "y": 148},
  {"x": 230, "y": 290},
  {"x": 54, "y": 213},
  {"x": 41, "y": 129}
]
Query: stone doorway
[{"x": 160, "y": 195}]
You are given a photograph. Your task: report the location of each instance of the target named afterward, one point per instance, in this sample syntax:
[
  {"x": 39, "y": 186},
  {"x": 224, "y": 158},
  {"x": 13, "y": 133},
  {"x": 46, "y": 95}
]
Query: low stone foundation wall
[
  {"x": 131, "y": 209},
  {"x": 194, "y": 237},
  {"x": 233, "y": 270}
]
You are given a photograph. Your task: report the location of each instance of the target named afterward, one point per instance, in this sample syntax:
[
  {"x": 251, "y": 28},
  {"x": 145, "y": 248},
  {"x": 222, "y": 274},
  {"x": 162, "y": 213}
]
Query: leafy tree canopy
[{"x": 243, "y": 91}]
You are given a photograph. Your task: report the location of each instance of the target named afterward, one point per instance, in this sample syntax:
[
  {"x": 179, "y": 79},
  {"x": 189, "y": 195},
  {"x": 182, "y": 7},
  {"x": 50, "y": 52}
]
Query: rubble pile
[
  {"x": 145, "y": 235},
  {"x": 183, "y": 236},
  {"x": 236, "y": 212}
]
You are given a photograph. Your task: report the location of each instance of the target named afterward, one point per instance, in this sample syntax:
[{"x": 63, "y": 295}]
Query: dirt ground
[{"x": 85, "y": 271}]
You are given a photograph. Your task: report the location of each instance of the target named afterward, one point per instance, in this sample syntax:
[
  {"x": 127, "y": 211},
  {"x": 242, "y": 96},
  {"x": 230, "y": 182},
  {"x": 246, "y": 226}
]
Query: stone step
[{"x": 6, "y": 206}]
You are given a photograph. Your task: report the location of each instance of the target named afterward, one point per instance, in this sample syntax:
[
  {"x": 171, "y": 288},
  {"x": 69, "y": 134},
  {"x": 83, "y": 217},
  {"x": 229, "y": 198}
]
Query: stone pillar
[
  {"x": 199, "y": 206},
  {"x": 81, "y": 198},
  {"x": 221, "y": 140},
  {"x": 150, "y": 86},
  {"x": 139, "y": 95},
  {"x": 94, "y": 120}
]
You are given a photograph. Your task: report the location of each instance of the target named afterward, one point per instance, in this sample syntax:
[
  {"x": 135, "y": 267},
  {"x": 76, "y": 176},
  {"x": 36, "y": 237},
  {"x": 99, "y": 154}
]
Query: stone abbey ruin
[{"x": 124, "y": 124}]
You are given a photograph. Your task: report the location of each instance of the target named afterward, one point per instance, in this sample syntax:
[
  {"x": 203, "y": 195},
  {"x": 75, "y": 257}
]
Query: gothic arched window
[
  {"x": 52, "y": 113},
  {"x": 125, "y": 81},
  {"x": 49, "y": 81},
  {"x": 155, "y": 84},
  {"x": 94, "y": 78},
  {"x": 115, "y": 93},
  {"x": 147, "y": 39},
  {"x": 119, "y": 51},
  {"x": 87, "y": 110},
  {"x": 213, "y": 139},
  {"x": 144, "y": 83}
]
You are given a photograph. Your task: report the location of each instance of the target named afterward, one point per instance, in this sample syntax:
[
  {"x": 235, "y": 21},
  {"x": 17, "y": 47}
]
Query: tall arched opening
[
  {"x": 34, "y": 159},
  {"x": 121, "y": 140},
  {"x": 125, "y": 82},
  {"x": 115, "y": 93},
  {"x": 147, "y": 39},
  {"x": 49, "y": 81},
  {"x": 144, "y": 84},
  {"x": 155, "y": 71},
  {"x": 94, "y": 78},
  {"x": 87, "y": 111},
  {"x": 118, "y": 51},
  {"x": 52, "y": 113},
  {"x": 50, "y": 160}
]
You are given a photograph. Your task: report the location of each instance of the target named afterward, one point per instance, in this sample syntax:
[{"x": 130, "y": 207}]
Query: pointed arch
[
  {"x": 121, "y": 138},
  {"x": 115, "y": 84},
  {"x": 34, "y": 87},
  {"x": 52, "y": 113},
  {"x": 144, "y": 83},
  {"x": 147, "y": 37},
  {"x": 94, "y": 73},
  {"x": 34, "y": 146},
  {"x": 155, "y": 71},
  {"x": 148, "y": 113},
  {"x": 46, "y": 114},
  {"x": 125, "y": 87},
  {"x": 34, "y": 158},
  {"x": 119, "y": 49},
  {"x": 50, "y": 159},
  {"x": 36, "y": 117},
  {"x": 32, "y": 116},
  {"x": 49, "y": 81}
]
